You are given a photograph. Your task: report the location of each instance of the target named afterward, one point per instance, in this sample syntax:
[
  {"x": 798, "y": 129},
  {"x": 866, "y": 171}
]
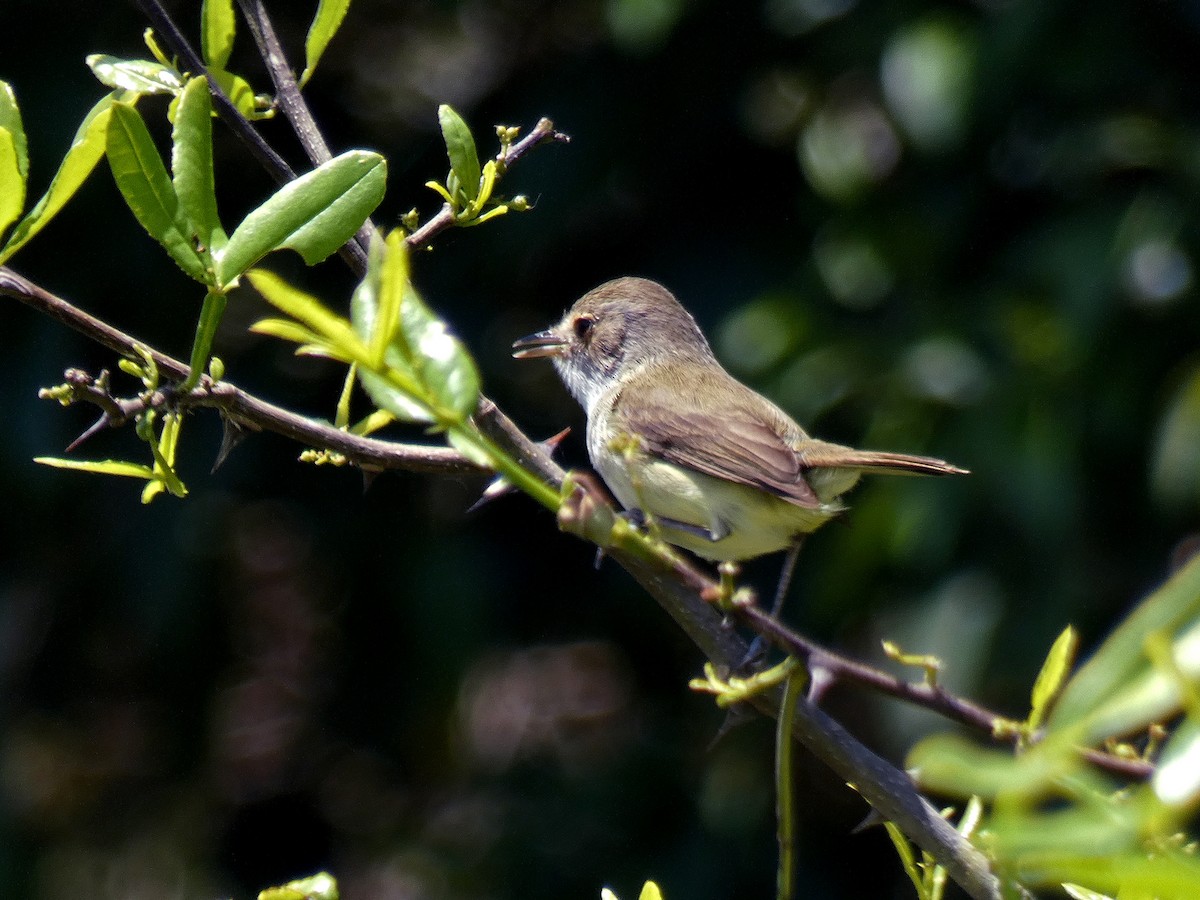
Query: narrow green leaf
[
  {"x": 1121, "y": 657},
  {"x": 1126, "y": 875},
  {"x": 12, "y": 183},
  {"x": 242, "y": 96},
  {"x": 907, "y": 859},
  {"x": 466, "y": 441},
  {"x": 420, "y": 349},
  {"x": 10, "y": 121},
  {"x": 324, "y": 26},
  {"x": 286, "y": 330},
  {"x": 460, "y": 147},
  {"x": 100, "y": 467},
  {"x": 327, "y": 326},
  {"x": 218, "y": 27},
  {"x": 313, "y": 215},
  {"x": 1078, "y": 892},
  {"x": 1053, "y": 675},
  {"x": 394, "y": 386},
  {"x": 192, "y": 165},
  {"x": 85, "y": 151},
  {"x": 143, "y": 181},
  {"x": 142, "y": 76},
  {"x": 394, "y": 283},
  {"x": 952, "y": 765}
]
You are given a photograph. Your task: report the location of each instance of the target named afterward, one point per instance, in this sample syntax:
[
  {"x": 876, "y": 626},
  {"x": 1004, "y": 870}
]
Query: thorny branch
[
  {"x": 679, "y": 586},
  {"x": 676, "y": 584}
]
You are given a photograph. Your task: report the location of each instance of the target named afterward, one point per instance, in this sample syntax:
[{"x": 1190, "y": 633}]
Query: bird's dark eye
[{"x": 583, "y": 326}]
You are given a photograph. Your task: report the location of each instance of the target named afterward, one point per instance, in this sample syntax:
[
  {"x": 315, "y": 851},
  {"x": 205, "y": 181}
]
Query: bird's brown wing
[{"x": 731, "y": 434}]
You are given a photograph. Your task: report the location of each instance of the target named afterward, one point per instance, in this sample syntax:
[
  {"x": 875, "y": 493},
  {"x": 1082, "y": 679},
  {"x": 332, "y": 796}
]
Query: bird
[{"x": 715, "y": 466}]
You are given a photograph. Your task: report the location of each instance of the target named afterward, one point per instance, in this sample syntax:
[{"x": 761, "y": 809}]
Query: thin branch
[
  {"x": 353, "y": 251},
  {"x": 930, "y": 696},
  {"x": 287, "y": 91},
  {"x": 241, "y": 407},
  {"x": 677, "y": 584},
  {"x": 174, "y": 40},
  {"x": 290, "y": 101},
  {"x": 543, "y": 132}
]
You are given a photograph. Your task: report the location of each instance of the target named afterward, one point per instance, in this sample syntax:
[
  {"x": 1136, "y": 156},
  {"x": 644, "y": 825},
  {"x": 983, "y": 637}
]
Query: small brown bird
[{"x": 723, "y": 472}]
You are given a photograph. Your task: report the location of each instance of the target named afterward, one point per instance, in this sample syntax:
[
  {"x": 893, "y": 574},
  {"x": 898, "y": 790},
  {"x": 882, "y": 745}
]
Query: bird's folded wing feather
[{"x": 735, "y": 441}]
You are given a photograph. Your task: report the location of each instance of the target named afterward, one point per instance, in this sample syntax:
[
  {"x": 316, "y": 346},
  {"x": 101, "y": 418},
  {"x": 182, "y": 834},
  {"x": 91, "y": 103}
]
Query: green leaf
[
  {"x": 143, "y": 181},
  {"x": 12, "y": 183},
  {"x": 952, "y": 765},
  {"x": 85, "y": 151},
  {"x": 101, "y": 467},
  {"x": 192, "y": 165},
  {"x": 142, "y": 76},
  {"x": 321, "y": 886},
  {"x": 1052, "y": 676},
  {"x": 313, "y": 215},
  {"x": 241, "y": 95},
  {"x": 1126, "y": 875},
  {"x": 308, "y": 310},
  {"x": 467, "y": 442},
  {"x": 1176, "y": 780},
  {"x": 324, "y": 26},
  {"x": 419, "y": 348},
  {"x": 10, "y": 121},
  {"x": 1121, "y": 658},
  {"x": 218, "y": 27},
  {"x": 460, "y": 147},
  {"x": 13, "y": 159}
]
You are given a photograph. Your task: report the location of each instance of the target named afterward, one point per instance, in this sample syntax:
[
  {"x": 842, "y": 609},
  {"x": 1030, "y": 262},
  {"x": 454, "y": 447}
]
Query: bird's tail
[{"x": 819, "y": 454}]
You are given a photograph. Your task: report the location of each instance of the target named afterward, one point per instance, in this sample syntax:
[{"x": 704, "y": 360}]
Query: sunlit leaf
[
  {"x": 10, "y": 121},
  {"x": 85, "y": 151},
  {"x": 1052, "y": 676},
  {"x": 313, "y": 215},
  {"x": 469, "y": 446},
  {"x": 286, "y": 330},
  {"x": 141, "y": 76},
  {"x": 952, "y": 765},
  {"x": 12, "y": 183},
  {"x": 421, "y": 348},
  {"x": 321, "y": 886},
  {"x": 1176, "y": 780},
  {"x": 328, "y": 327},
  {"x": 218, "y": 27},
  {"x": 1077, "y": 892},
  {"x": 324, "y": 26},
  {"x": 99, "y": 467},
  {"x": 460, "y": 147},
  {"x": 1121, "y": 658},
  {"x": 192, "y": 164},
  {"x": 143, "y": 181},
  {"x": 1129, "y": 875},
  {"x": 242, "y": 95}
]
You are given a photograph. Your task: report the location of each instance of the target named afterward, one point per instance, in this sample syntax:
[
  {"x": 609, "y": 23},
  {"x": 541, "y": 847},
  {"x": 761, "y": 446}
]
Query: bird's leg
[
  {"x": 758, "y": 647},
  {"x": 785, "y": 576}
]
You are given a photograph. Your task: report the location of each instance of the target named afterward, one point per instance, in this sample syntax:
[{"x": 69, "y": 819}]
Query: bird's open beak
[{"x": 544, "y": 343}]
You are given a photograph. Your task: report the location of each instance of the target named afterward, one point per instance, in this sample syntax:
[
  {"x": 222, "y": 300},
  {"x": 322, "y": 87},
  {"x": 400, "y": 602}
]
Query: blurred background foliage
[{"x": 964, "y": 229}]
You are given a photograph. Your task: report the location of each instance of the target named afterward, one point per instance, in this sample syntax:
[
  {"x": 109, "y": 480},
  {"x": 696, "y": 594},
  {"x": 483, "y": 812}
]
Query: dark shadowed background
[{"x": 961, "y": 229}]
